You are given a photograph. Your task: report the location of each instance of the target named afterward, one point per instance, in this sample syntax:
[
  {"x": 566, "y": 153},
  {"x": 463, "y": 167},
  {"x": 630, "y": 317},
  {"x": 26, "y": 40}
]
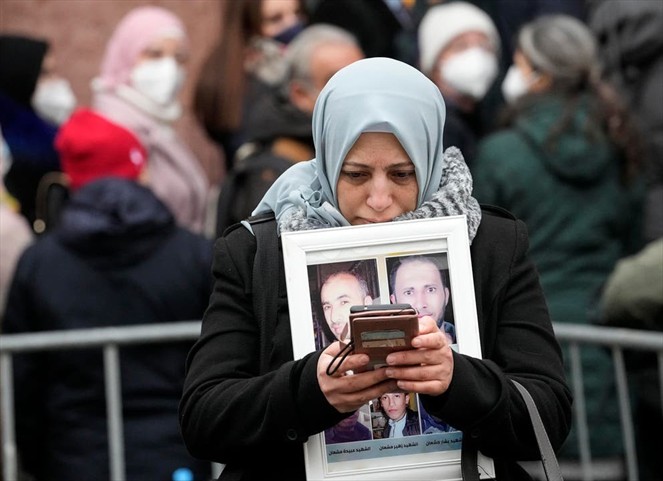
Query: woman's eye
[
  {"x": 154, "y": 53},
  {"x": 353, "y": 175},
  {"x": 403, "y": 175}
]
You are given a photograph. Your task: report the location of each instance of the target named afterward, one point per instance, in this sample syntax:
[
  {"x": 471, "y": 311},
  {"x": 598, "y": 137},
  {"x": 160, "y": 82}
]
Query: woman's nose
[{"x": 379, "y": 195}]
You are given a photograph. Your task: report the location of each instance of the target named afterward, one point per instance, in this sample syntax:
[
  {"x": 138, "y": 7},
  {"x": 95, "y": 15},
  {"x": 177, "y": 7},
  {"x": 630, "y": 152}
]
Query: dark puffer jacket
[{"x": 117, "y": 258}]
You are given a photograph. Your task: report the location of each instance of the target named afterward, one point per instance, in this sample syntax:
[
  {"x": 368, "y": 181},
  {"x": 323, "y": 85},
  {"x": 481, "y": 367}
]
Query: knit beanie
[
  {"x": 442, "y": 23},
  {"x": 92, "y": 147},
  {"x": 562, "y": 46}
]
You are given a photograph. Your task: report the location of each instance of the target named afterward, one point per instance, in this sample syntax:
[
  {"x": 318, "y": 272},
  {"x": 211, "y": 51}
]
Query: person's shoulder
[
  {"x": 246, "y": 228},
  {"x": 494, "y": 212},
  {"x": 499, "y": 228},
  {"x": 42, "y": 252},
  {"x": 233, "y": 231}
]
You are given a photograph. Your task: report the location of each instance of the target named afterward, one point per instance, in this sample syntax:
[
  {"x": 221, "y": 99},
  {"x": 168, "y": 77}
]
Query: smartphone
[{"x": 379, "y": 329}]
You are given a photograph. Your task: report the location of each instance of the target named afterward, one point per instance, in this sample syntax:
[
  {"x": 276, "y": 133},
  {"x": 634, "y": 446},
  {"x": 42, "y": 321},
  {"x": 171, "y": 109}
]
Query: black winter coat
[
  {"x": 117, "y": 258},
  {"x": 257, "y": 423}
]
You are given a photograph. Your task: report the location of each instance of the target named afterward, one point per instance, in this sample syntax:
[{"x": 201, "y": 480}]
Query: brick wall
[{"x": 78, "y": 31}]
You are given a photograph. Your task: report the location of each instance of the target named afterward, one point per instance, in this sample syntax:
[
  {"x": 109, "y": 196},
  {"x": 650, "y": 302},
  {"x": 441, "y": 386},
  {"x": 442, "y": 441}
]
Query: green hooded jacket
[{"x": 581, "y": 220}]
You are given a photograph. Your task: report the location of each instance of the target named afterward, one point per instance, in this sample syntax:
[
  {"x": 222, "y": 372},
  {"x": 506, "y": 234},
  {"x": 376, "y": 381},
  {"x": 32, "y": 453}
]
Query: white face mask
[
  {"x": 54, "y": 100},
  {"x": 471, "y": 72},
  {"x": 159, "y": 80},
  {"x": 515, "y": 85}
]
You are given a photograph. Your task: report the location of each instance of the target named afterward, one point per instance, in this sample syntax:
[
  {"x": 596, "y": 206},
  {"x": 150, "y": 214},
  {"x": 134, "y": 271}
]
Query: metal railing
[
  {"x": 109, "y": 339},
  {"x": 112, "y": 338},
  {"x": 617, "y": 340}
]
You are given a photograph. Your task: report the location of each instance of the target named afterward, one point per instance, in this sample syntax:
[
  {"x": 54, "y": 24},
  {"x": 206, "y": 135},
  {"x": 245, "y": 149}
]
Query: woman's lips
[{"x": 372, "y": 221}]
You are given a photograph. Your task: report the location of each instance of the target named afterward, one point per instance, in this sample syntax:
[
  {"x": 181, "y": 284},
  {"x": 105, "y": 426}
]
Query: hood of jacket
[
  {"x": 581, "y": 154},
  {"x": 114, "y": 222}
]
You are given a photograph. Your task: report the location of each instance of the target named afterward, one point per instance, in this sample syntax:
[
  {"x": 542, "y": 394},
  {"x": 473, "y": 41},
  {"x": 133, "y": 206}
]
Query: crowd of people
[{"x": 542, "y": 126}]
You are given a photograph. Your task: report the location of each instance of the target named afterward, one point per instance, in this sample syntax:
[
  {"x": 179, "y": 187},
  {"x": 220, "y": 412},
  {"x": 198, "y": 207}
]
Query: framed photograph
[{"x": 425, "y": 263}]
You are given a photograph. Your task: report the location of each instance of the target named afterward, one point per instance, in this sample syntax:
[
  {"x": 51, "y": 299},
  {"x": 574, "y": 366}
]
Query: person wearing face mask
[
  {"x": 567, "y": 164},
  {"x": 116, "y": 258},
  {"x": 459, "y": 47},
  {"x": 53, "y": 99},
  {"x": 34, "y": 100},
  {"x": 278, "y": 129},
  {"x": 245, "y": 63},
  {"x": 142, "y": 73}
]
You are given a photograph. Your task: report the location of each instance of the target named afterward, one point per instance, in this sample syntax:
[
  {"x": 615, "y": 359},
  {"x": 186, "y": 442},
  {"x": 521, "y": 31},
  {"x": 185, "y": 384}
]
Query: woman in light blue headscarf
[
  {"x": 400, "y": 102},
  {"x": 378, "y": 136}
]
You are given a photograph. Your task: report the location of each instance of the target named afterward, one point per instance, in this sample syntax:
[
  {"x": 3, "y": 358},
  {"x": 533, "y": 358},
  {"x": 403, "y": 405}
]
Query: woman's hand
[
  {"x": 346, "y": 390},
  {"x": 429, "y": 367}
]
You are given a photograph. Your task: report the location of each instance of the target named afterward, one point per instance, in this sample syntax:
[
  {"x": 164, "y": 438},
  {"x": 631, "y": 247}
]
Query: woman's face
[
  {"x": 279, "y": 15},
  {"x": 377, "y": 180},
  {"x": 537, "y": 81},
  {"x": 165, "y": 47}
]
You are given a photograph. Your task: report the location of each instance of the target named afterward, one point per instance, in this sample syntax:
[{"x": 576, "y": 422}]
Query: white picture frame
[{"x": 434, "y": 456}]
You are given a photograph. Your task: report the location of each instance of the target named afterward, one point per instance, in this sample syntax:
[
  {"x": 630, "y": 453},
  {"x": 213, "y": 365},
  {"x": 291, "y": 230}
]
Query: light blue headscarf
[{"x": 371, "y": 95}]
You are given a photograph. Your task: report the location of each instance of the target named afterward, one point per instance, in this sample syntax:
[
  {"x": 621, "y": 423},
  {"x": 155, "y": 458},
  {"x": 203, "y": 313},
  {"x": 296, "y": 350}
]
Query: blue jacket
[{"x": 30, "y": 142}]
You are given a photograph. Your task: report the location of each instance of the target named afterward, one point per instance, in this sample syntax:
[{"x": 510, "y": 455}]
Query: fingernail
[{"x": 389, "y": 372}]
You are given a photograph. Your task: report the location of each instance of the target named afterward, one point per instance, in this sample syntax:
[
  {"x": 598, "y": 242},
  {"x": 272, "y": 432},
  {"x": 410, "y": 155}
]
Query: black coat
[
  {"x": 117, "y": 258},
  {"x": 231, "y": 414},
  {"x": 273, "y": 118}
]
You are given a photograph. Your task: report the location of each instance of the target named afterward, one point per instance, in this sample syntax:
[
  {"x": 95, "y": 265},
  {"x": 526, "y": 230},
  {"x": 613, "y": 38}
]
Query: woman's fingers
[
  {"x": 426, "y": 369},
  {"x": 347, "y": 389}
]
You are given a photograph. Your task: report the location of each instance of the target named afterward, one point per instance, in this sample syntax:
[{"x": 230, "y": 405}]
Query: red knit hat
[{"x": 92, "y": 147}]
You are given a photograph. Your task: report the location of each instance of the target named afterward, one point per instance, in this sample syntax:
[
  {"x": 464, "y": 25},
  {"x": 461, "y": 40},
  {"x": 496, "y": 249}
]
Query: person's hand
[
  {"x": 429, "y": 367},
  {"x": 347, "y": 389}
]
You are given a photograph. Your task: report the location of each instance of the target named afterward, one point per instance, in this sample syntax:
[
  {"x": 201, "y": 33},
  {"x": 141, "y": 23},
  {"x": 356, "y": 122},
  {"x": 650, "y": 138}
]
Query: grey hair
[
  {"x": 298, "y": 54},
  {"x": 563, "y": 47}
]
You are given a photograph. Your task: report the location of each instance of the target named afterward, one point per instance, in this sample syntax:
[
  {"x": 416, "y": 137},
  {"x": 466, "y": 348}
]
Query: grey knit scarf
[{"x": 454, "y": 197}]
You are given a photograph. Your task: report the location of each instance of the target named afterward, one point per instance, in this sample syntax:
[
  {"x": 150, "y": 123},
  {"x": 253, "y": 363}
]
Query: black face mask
[{"x": 287, "y": 35}]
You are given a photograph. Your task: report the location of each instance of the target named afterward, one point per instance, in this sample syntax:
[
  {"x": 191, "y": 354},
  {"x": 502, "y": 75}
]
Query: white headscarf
[{"x": 370, "y": 95}]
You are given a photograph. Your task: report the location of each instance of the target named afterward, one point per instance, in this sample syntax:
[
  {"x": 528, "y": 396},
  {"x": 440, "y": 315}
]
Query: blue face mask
[{"x": 287, "y": 35}]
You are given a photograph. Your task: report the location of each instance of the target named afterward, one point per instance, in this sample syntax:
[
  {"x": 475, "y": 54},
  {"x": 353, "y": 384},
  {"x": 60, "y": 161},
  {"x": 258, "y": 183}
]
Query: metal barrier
[
  {"x": 618, "y": 340},
  {"x": 110, "y": 339}
]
